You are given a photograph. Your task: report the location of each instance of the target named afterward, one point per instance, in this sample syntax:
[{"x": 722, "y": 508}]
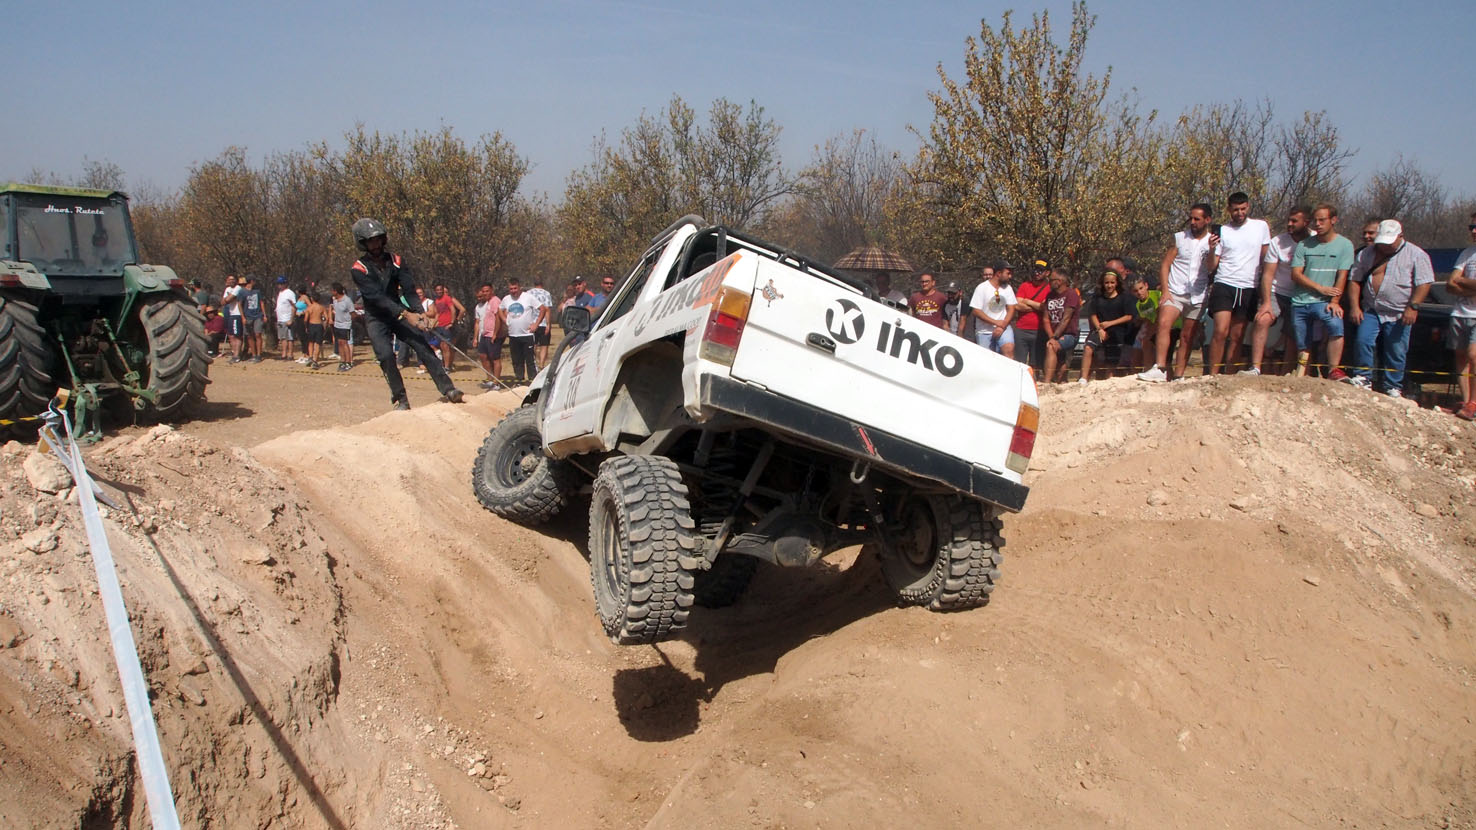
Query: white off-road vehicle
[{"x": 732, "y": 403}]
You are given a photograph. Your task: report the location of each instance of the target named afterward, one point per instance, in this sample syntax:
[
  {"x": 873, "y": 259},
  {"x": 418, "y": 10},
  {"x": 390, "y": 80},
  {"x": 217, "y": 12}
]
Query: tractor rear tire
[
  {"x": 642, "y": 549},
  {"x": 179, "y": 356},
  {"x": 25, "y": 368},
  {"x": 947, "y": 556}
]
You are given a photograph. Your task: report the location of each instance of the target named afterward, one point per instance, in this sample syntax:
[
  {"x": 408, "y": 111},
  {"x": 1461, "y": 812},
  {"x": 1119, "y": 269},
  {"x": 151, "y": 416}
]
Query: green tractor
[{"x": 78, "y": 313}]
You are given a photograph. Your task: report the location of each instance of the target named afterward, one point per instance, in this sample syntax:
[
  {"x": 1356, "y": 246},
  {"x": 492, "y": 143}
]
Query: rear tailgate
[{"x": 887, "y": 370}]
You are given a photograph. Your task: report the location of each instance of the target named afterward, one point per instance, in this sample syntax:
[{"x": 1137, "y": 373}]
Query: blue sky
[{"x": 158, "y": 86}]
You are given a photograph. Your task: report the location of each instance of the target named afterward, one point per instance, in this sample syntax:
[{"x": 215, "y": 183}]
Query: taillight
[
  {"x": 725, "y": 326},
  {"x": 1022, "y": 443}
]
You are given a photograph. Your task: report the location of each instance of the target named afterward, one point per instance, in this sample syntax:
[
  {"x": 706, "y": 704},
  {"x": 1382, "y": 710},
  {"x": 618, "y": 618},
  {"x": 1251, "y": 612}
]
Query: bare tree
[
  {"x": 1312, "y": 163},
  {"x": 839, "y": 201}
]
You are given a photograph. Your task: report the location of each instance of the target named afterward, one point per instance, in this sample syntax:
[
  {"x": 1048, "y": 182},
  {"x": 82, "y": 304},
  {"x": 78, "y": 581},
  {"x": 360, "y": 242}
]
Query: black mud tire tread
[
  {"x": 723, "y": 583},
  {"x": 966, "y": 558},
  {"x": 179, "y": 356},
  {"x": 645, "y": 595},
  {"x": 538, "y": 497},
  {"x": 26, "y": 383}
]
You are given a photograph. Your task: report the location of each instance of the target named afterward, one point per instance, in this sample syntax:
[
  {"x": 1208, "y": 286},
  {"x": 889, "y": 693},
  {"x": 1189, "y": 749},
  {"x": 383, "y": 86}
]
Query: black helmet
[{"x": 367, "y": 229}]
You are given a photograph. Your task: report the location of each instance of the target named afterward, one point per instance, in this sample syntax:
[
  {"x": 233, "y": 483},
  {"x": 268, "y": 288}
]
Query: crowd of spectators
[
  {"x": 313, "y": 327},
  {"x": 1223, "y": 290}
]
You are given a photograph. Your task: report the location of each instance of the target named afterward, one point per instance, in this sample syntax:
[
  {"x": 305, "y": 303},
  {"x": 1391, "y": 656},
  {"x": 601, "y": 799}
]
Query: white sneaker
[
  {"x": 333, "y": 356},
  {"x": 1395, "y": 393},
  {"x": 1252, "y": 372},
  {"x": 1081, "y": 381},
  {"x": 1359, "y": 381},
  {"x": 302, "y": 360},
  {"x": 1153, "y": 375},
  {"x": 420, "y": 371}
]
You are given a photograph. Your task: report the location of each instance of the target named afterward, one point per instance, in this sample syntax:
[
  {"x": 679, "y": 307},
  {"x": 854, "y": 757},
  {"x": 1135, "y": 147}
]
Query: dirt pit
[{"x": 1240, "y": 602}]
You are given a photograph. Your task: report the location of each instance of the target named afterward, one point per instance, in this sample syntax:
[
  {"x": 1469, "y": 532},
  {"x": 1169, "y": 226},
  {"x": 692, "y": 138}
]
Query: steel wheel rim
[
  {"x": 513, "y": 464},
  {"x": 610, "y": 550}
]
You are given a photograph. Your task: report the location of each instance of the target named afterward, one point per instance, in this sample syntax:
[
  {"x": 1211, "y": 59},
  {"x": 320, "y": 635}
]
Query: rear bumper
[{"x": 843, "y": 436}]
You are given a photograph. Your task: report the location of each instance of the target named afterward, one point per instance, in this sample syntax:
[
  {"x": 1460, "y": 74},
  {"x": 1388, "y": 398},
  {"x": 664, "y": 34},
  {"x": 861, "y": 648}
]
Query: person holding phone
[{"x": 1233, "y": 298}]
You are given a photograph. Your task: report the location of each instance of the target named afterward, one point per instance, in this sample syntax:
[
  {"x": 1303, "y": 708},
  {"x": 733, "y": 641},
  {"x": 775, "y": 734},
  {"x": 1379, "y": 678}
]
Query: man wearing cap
[
  {"x": 582, "y": 294},
  {"x": 927, "y": 302},
  {"x": 1032, "y": 294},
  {"x": 1389, "y": 278},
  {"x": 953, "y": 310}
]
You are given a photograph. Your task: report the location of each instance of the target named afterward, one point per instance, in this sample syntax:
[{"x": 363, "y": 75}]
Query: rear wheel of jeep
[
  {"x": 946, "y": 556},
  {"x": 643, "y": 549}
]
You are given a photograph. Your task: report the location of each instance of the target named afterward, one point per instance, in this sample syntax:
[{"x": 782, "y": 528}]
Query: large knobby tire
[
  {"x": 946, "y": 557},
  {"x": 25, "y": 367},
  {"x": 514, "y": 479},
  {"x": 179, "y": 356},
  {"x": 642, "y": 549},
  {"x": 723, "y": 583}
]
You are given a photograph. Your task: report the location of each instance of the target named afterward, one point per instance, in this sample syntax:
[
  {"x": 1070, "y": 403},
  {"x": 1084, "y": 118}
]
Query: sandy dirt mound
[{"x": 1242, "y": 602}]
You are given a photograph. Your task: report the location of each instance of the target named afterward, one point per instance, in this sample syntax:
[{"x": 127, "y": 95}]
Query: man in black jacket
[{"x": 391, "y": 310}]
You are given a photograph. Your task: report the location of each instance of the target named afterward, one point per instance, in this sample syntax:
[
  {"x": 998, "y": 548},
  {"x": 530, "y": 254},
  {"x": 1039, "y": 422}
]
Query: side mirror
[{"x": 575, "y": 320}]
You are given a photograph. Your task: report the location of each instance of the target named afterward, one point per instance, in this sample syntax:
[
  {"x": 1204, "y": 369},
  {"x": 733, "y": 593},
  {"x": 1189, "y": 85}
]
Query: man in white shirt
[
  {"x": 542, "y": 335},
  {"x": 521, "y": 313},
  {"x": 1276, "y": 291},
  {"x": 1184, "y": 274},
  {"x": 993, "y": 306},
  {"x": 1233, "y": 298},
  {"x": 286, "y": 312},
  {"x": 1462, "y": 335},
  {"x": 230, "y": 301}
]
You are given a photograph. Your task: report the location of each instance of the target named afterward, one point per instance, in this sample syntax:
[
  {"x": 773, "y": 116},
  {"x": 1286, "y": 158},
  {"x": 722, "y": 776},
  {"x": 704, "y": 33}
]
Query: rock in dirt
[
  {"x": 46, "y": 473},
  {"x": 10, "y": 632},
  {"x": 1428, "y": 511},
  {"x": 1158, "y": 498},
  {"x": 40, "y": 540}
]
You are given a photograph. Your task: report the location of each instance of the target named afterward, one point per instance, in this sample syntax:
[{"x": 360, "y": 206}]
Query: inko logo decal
[
  {"x": 847, "y": 324},
  {"x": 844, "y": 321}
]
